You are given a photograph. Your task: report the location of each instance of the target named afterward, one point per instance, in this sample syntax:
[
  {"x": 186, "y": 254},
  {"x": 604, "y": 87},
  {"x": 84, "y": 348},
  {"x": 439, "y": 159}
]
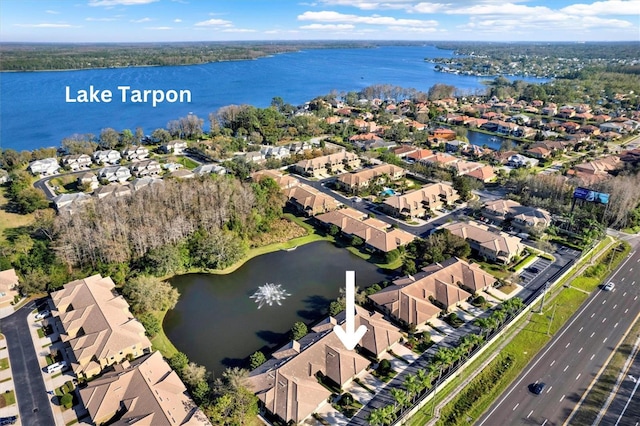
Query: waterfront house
[
  {"x": 307, "y": 200},
  {"x": 288, "y": 386},
  {"x": 420, "y": 202},
  {"x": 146, "y": 391},
  {"x": 96, "y": 326},
  {"x": 110, "y": 156},
  {"x": 417, "y": 299},
  {"x": 175, "y": 147},
  {"x": 496, "y": 246},
  {"x": 114, "y": 174},
  {"x": 44, "y": 167},
  {"x": 76, "y": 162},
  {"x": 135, "y": 153}
]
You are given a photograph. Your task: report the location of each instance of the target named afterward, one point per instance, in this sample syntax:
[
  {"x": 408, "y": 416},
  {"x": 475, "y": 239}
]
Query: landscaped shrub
[{"x": 66, "y": 400}]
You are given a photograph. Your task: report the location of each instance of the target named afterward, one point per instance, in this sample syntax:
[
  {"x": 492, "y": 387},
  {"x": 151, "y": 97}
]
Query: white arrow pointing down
[{"x": 349, "y": 336}]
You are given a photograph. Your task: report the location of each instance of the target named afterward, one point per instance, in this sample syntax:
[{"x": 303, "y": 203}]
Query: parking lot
[{"x": 533, "y": 270}]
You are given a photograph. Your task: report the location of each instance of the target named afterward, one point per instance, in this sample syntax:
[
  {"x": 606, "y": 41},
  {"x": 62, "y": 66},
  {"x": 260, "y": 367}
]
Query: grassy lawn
[
  {"x": 507, "y": 289},
  {"x": 600, "y": 391},
  {"x": 525, "y": 345},
  {"x": 40, "y": 332},
  {"x": 161, "y": 342},
  {"x": 497, "y": 271},
  {"x": 64, "y": 184},
  {"x": 4, "y": 363},
  {"x": 8, "y": 398},
  {"x": 10, "y": 219},
  {"x": 188, "y": 163}
]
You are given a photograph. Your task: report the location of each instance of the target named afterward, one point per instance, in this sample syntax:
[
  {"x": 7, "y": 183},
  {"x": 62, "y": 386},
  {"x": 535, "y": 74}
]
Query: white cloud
[
  {"x": 412, "y": 29},
  {"x": 370, "y": 5},
  {"x": 328, "y": 27},
  {"x": 613, "y": 7},
  {"x": 177, "y": 20},
  {"x": 109, "y": 3},
  {"x": 335, "y": 17},
  {"x": 214, "y": 23},
  {"x": 52, "y": 12},
  {"x": 45, "y": 25},
  {"x": 158, "y": 28},
  {"x": 138, "y": 21}
]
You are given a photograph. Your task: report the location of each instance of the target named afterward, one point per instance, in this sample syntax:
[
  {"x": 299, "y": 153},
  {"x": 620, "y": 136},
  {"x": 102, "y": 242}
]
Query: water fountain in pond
[{"x": 268, "y": 294}]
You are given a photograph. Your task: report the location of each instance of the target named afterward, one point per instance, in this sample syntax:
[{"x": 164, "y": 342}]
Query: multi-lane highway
[{"x": 572, "y": 359}]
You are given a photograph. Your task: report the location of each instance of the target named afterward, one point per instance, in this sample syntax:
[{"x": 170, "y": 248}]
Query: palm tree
[
  {"x": 376, "y": 417},
  {"x": 389, "y": 414},
  {"x": 499, "y": 316},
  {"x": 412, "y": 385},
  {"x": 424, "y": 379},
  {"x": 400, "y": 397}
]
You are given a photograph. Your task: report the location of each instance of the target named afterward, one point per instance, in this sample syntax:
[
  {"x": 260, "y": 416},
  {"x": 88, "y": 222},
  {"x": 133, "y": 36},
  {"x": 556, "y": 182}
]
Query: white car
[
  {"x": 609, "y": 286},
  {"x": 43, "y": 314}
]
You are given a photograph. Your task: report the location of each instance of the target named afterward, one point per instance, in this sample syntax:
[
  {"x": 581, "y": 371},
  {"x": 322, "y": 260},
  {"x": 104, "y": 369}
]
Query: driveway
[{"x": 31, "y": 394}]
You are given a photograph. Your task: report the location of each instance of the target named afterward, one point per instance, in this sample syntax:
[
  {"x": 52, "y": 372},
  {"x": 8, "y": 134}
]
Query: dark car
[
  {"x": 8, "y": 420},
  {"x": 537, "y": 388},
  {"x": 533, "y": 269}
]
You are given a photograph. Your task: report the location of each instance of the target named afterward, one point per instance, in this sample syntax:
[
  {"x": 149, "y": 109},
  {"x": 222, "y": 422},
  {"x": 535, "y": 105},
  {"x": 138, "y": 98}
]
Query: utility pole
[
  {"x": 544, "y": 293},
  {"x": 551, "y": 321}
]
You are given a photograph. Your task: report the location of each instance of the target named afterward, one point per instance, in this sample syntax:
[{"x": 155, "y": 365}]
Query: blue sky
[{"x": 223, "y": 20}]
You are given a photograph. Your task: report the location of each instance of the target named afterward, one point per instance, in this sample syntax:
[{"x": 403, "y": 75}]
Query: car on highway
[
  {"x": 609, "y": 286},
  {"x": 43, "y": 314},
  {"x": 537, "y": 388}
]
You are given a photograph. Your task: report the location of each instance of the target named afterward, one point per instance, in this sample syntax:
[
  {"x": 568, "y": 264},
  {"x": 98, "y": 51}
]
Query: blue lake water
[{"x": 34, "y": 112}]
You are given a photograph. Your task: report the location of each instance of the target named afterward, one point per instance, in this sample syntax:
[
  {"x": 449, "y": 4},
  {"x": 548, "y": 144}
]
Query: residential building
[
  {"x": 403, "y": 150},
  {"x": 539, "y": 152},
  {"x": 309, "y": 201},
  {"x": 419, "y": 155},
  {"x": 522, "y": 217},
  {"x": 175, "y": 147},
  {"x": 113, "y": 189},
  {"x": 276, "y": 152},
  {"x": 144, "y": 391},
  {"x": 114, "y": 174},
  {"x": 362, "y": 179},
  {"x": 135, "y": 153},
  {"x": 77, "y": 162},
  {"x": 172, "y": 167},
  {"x": 143, "y": 182},
  {"x": 596, "y": 171},
  {"x": 483, "y": 174},
  {"x": 96, "y": 326},
  {"x": 44, "y": 167},
  {"x": 420, "y": 202},
  {"x": 375, "y": 233},
  {"x": 110, "y": 156},
  {"x": 463, "y": 167},
  {"x": 207, "y": 169},
  {"x": 89, "y": 179},
  {"x": 284, "y": 181},
  {"x": 326, "y": 164},
  {"x": 519, "y": 160},
  {"x": 8, "y": 286},
  {"x": 444, "y": 134},
  {"x": 69, "y": 202},
  {"x": 288, "y": 386},
  {"x": 496, "y": 246},
  {"x": 438, "y": 287},
  {"x": 145, "y": 168}
]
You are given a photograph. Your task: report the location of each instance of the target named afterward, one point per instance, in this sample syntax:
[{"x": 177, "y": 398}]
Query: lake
[
  {"x": 217, "y": 324},
  {"x": 34, "y": 111}
]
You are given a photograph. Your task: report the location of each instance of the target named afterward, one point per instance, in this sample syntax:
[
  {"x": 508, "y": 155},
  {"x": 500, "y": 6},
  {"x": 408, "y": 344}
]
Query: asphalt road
[
  {"x": 31, "y": 394},
  {"x": 625, "y": 406},
  {"x": 572, "y": 359}
]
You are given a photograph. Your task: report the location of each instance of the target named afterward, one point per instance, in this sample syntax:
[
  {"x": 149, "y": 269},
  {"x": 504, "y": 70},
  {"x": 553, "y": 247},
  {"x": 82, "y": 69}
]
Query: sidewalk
[{"x": 6, "y": 384}]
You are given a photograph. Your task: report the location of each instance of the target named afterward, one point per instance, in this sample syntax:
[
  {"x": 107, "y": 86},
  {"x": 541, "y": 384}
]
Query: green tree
[
  {"x": 163, "y": 260},
  {"x": 146, "y": 293},
  {"x": 30, "y": 200},
  {"x": 66, "y": 400},
  {"x": 335, "y": 307},
  {"x": 178, "y": 361},
  {"x": 256, "y": 360},
  {"x": 151, "y": 324},
  {"x": 299, "y": 330},
  {"x": 357, "y": 241}
]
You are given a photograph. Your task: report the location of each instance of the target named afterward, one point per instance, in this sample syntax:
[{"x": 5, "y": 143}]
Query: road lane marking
[
  {"x": 545, "y": 422},
  {"x": 578, "y": 376},
  {"x": 516, "y": 406},
  {"x": 630, "y": 269},
  {"x": 565, "y": 369},
  {"x": 592, "y": 334},
  {"x": 549, "y": 389},
  {"x": 635, "y": 298},
  {"x": 580, "y": 350},
  {"x": 615, "y": 306},
  {"x": 568, "y": 345},
  {"x": 604, "y": 301},
  {"x": 562, "y": 398},
  {"x": 593, "y": 356},
  {"x": 605, "y": 339},
  {"x": 626, "y": 310},
  {"x": 552, "y": 362},
  {"x": 604, "y": 319},
  {"x": 624, "y": 294},
  {"x": 615, "y": 325},
  {"x": 580, "y": 329},
  {"x": 593, "y": 315},
  {"x": 530, "y": 414},
  {"x": 622, "y": 279}
]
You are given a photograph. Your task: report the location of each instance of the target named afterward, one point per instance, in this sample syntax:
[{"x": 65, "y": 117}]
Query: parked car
[
  {"x": 8, "y": 420},
  {"x": 43, "y": 314},
  {"x": 533, "y": 269},
  {"x": 537, "y": 388},
  {"x": 609, "y": 286},
  {"x": 55, "y": 367}
]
